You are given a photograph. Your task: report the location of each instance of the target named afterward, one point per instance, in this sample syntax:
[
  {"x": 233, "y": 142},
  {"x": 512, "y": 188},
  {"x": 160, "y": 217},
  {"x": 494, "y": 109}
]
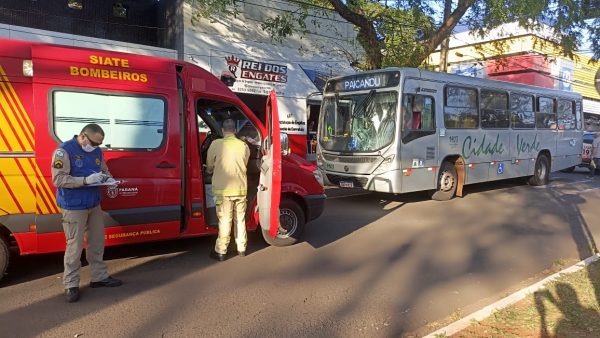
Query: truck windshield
[{"x": 358, "y": 122}]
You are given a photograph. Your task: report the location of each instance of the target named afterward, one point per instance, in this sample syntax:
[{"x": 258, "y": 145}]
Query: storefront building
[
  {"x": 235, "y": 46},
  {"x": 297, "y": 68},
  {"x": 510, "y": 53}
]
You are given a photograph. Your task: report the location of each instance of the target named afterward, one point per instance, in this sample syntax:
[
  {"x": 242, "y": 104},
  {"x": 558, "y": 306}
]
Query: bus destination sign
[{"x": 364, "y": 82}]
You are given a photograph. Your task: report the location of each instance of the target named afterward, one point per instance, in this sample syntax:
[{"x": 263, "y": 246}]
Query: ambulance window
[
  {"x": 213, "y": 113},
  {"x": 129, "y": 122}
]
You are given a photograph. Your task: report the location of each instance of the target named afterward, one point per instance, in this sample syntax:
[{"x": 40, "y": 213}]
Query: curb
[{"x": 465, "y": 322}]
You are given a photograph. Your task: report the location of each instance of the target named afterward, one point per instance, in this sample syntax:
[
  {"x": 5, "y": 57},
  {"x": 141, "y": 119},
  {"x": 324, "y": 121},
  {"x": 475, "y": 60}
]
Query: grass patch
[{"x": 567, "y": 307}]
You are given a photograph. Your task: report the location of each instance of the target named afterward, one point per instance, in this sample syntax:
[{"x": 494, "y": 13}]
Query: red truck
[{"x": 159, "y": 116}]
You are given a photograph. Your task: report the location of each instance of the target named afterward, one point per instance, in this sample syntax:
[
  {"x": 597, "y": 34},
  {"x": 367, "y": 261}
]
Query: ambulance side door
[
  {"x": 269, "y": 188},
  {"x": 141, "y": 146}
]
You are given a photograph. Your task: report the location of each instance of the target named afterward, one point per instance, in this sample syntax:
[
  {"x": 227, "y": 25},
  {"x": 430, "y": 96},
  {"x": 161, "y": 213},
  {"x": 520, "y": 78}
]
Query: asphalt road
[{"x": 373, "y": 265}]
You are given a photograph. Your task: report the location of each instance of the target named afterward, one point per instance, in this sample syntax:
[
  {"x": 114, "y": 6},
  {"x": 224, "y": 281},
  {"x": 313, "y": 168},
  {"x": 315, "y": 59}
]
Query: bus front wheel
[
  {"x": 291, "y": 224},
  {"x": 541, "y": 171},
  {"x": 447, "y": 183}
]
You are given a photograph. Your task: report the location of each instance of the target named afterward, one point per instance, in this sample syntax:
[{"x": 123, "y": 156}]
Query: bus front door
[{"x": 419, "y": 140}]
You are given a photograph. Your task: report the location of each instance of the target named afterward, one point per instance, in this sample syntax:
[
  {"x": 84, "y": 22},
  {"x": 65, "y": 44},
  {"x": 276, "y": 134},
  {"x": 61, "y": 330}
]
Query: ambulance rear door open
[{"x": 269, "y": 189}]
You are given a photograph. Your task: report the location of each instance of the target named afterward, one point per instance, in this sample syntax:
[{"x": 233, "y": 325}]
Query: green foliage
[
  {"x": 399, "y": 30},
  {"x": 212, "y": 9},
  {"x": 284, "y": 25},
  {"x": 405, "y": 32}
]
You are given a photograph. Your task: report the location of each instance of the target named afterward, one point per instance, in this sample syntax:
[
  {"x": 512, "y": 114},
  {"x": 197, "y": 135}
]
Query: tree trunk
[
  {"x": 446, "y": 29},
  {"x": 367, "y": 35}
]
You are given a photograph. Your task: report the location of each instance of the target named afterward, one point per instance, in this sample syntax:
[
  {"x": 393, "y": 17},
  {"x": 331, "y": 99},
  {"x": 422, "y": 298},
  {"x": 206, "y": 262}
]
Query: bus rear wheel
[
  {"x": 447, "y": 183},
  {"x": 541, "y": 171},
  {"x": 4, "y": 256},
  {"x": 291, "y": 224}
]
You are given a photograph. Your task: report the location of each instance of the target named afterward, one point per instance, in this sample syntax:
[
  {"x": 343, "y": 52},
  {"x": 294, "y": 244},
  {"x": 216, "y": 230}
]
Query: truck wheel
[
  {"x": 291, "y": 224},
  {"x": 541, "y": 171},
  {"x": 4, "y": 257},
  {"x": 447, "y": 183}
]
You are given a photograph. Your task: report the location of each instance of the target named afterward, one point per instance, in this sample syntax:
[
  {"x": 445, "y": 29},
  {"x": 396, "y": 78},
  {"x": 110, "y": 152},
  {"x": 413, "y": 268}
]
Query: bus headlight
[
  {"x": 319, "y": 177},
  {"x": 319, "y": 159}
]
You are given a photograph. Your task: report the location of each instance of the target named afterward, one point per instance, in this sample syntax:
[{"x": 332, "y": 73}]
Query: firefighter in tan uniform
[
  {"x": 227, "y": 160},
  {"x": 77, "y": 164}
]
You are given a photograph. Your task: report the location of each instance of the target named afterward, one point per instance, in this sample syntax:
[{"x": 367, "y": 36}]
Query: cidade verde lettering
[
  {"x": 471, "y": 147},
  {"x": 527, "y": 147}
]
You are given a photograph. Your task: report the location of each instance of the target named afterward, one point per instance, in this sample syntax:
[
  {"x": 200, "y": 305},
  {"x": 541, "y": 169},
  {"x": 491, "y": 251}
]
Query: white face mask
[{"x": 88, "y": 148}]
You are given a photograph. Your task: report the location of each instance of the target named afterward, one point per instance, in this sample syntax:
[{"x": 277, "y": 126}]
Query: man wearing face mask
[{"x": 76, "y": 166}]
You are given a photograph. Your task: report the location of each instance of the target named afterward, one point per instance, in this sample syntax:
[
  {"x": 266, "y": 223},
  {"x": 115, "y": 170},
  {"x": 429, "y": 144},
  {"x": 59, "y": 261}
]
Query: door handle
[{"x": 166, "y": 165}]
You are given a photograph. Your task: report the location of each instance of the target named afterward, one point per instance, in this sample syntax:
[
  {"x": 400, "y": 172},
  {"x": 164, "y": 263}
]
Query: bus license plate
[{"x": 346, "y": 184}]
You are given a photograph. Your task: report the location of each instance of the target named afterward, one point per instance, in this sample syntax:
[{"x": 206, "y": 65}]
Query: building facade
[
  {"x": 296, "y": 68},
  {"x": 511, "y": 53}
]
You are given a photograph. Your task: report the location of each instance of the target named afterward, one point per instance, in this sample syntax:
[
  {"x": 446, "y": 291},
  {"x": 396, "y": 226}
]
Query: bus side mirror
[{"x": 285, "y": 144}]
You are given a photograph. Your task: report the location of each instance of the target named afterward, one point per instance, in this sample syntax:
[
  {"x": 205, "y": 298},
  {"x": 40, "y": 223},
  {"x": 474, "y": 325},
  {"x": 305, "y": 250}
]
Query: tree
[{"x": 405, "y": 32}]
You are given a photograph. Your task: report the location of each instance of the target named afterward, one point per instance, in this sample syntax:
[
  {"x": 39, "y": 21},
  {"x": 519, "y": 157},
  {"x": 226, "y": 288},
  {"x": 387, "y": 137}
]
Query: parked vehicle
[
  {"x": 150, "y": 109},
  {"x": 586, "y": 152},
  {"x": 400, "y": 130}
]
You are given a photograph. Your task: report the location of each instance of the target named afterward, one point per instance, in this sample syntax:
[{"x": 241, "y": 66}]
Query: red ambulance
[{"x": 159, "y": 117}]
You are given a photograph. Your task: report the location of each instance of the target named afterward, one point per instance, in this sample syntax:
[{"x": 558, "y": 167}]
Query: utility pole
[{"x": 446, "y": 43}]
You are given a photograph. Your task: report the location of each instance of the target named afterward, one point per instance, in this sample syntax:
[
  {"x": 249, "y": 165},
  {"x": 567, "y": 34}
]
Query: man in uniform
[
  {"x": 227, "y": 160},
  {"x": 77, "y": 166}
]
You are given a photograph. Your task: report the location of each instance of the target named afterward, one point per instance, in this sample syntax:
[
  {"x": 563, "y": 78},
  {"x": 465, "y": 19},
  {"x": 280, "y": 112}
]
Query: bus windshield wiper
[{"x": 361, "y": 107}]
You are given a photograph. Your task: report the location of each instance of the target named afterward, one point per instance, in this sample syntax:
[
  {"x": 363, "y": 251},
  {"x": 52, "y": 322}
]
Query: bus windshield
[{"x": 358, "y": 122}]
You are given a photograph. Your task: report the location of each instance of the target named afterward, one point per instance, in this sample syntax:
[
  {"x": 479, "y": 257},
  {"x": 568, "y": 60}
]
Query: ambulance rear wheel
[
  {"x": 291, "y": 224},
  {"x": 447, "y": 183},
  {"x": 4, "y": 256}
]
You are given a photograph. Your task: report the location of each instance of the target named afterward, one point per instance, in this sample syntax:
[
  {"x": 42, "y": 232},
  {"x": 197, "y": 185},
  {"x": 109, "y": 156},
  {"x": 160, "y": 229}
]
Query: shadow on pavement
[
  {"x": 24, "y": 269},
  {"x": 567, "y": 301},
  {"x": 187, "y": 256}
]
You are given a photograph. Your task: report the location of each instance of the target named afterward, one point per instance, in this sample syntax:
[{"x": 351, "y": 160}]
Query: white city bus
[{"x": 401, "y": 130}]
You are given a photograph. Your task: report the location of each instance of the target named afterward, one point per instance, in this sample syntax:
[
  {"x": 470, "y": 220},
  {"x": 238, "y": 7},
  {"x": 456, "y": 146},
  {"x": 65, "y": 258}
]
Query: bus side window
[
  {"x": 566, "y": 115},
  {"x": 460, "y": 108},
  {"x": 546, "y": 115},
  {"x": 418, "y": 112},
  {"x": 522, "y": 111},
  {"x": 494, "y": 109}
]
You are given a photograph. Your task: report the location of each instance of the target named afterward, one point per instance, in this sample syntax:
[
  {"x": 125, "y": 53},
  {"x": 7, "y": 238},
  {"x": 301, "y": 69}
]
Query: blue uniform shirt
[{"x": 82, "y": 164}]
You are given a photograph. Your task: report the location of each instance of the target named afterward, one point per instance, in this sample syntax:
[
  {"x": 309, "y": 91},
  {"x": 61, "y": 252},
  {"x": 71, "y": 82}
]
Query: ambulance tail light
[{"x": 28, "y": 68}]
